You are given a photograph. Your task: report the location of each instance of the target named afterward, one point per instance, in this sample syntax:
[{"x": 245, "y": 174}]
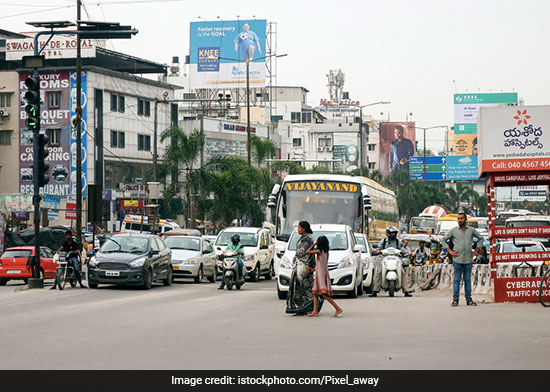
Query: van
[
  {"x": 132, "y": 224},
  {"x": 258, "y": 246},
  {"x": 446, "y": 223}
]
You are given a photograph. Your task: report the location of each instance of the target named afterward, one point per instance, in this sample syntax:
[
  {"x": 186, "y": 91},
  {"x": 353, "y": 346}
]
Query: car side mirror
[{"x": 358, "y": 248}]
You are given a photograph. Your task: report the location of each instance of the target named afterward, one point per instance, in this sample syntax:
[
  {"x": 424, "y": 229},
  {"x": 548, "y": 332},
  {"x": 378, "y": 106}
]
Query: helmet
[
  {"x": 390, "y": 230},
  {"x": 235, "y": 238}
]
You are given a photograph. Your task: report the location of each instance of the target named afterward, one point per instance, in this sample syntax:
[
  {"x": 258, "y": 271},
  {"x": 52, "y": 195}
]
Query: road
[{"x": 194, "y": 326}]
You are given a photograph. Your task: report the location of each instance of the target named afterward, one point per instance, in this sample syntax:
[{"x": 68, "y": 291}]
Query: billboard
[
  {"x": 55, "y": 122},
  {"x": 397, "y": 145},
  {"x": 219, "y": 51},
  {"x": 345, "y": 149},
  {"x": 514, "y": 139},
  {"x": 83, "y": 138},
  {"x": 462, "y": 167}
]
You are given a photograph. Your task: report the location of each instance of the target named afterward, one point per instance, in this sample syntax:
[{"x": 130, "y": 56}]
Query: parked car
[
  {"x": 14, "y": 264},
  {"x": 344, "y": 262},
  {"x": 192, "y": 257},
  {"x": 258, "y": 249},
  {"x": 131, "y": 259},
  {"x": 368, "y": 266},
  {"x": 522, "y": 246}
]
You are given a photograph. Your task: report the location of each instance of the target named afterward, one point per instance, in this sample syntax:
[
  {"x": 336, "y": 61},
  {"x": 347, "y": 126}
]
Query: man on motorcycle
[
  {"x": 422, "y": 253},
  {"x": 236, "y": 246},
  {"x": 73, "y": 254},
  {"x": 391, "y": 241}
]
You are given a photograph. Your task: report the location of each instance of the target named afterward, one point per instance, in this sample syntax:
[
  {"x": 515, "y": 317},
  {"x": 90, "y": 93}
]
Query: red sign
[
  {"x": 522, "y": 232},
  {"x": 512, "y": 178},
  {"x": 520, "y": 256},
  {"x": 70, "y": 211},
  {"x": 519, "y": 290}
]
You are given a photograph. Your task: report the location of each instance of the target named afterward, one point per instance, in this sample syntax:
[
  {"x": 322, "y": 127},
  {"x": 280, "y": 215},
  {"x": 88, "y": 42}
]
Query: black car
[{"x": 131, "y": 259}]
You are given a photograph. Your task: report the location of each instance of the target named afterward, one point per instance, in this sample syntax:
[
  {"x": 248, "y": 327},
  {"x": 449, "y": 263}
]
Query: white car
[
  {"x": 368, "y": 266},
  {"x": 344, "y": 263},
  {"x": 521, "y": 246},
  {"x": 192, "y": 257},
  {"x": 258, "y": 249}
]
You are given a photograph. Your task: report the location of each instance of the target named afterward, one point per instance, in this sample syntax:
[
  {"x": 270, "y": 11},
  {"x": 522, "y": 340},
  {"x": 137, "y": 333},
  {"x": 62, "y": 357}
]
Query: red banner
[
  {"x": 522, "y": 232},
  {"x": 519, "y": 290},
  {"x": 522, "y": 177},
  {"x": 520, "y": 256}
]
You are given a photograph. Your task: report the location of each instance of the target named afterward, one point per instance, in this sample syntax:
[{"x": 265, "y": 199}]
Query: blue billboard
[
  {"x": 219, "y": 51},
  {"x": 462, "y": 167},
  {"x": 83, "y": 139}
]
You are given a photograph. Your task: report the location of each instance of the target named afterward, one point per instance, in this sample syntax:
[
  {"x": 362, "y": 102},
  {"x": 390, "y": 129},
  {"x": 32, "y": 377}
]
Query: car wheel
[
  {"x": 169, "y": 278},
  {"x": 3, "y": 282},
  {"x": 352, "y": 293},
  {"x": 199, "y": 276},
  {"x": 360, "y": 287},
  {"x": 148, "y": 280},
  {"x": 26, "y": 281},
  {"x": 212, "y": 278},
  {"x": 92, "y": 285},
  {"x": 271, "y": 272},
  {"x": 255, "y": 276},
  {"x": 368, "y": 289},
  {"x": 281, "y": 294}
]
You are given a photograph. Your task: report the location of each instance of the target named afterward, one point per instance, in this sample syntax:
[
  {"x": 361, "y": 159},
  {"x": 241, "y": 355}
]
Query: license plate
[
  {"x": 112, "y": 273},
  {"x": 14, "y": 271},
  {"x": 175, "y": 268}
]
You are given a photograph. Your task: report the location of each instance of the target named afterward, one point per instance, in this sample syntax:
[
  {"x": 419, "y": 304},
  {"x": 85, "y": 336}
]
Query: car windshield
[
  {"x": 126, "y": 244},
  {"x": 337, "y": 240},
  {"x": 181, "y": 242},
  {"x": 510, "y": 247},
  {"x": 422, "y": 223},
  {"x": 528, "y": 223},
  {"x": 16, "y": 253},
  {"x": 247, "y": 239}
]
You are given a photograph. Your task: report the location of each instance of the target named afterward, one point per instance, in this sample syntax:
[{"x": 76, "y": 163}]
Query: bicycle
[
  {"x": 65, "y": 272},
  {"x": 545, "y": 289}
]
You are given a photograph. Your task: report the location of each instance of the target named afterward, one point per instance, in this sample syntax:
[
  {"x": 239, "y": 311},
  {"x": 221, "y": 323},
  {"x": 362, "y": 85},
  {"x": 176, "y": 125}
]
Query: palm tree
[
  {"x": 263, "y": 149},
  {"x": 183, "y": 150},
  {"x": 455, "y": 196}
]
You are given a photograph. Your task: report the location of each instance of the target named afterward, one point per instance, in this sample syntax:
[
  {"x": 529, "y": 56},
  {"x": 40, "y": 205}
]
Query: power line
[{"x": 35, "y": 12}]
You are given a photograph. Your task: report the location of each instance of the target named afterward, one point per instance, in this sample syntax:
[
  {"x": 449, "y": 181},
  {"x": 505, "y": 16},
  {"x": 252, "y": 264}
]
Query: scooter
[
  {"x": 230, "y": 270},
  {"x": 391, "y": 270}
]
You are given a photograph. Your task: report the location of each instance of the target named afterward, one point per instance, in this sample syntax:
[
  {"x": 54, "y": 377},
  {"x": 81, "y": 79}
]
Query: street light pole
[
  {"x": 361, "y": 149},
  {"x": 424, "y": 129}
]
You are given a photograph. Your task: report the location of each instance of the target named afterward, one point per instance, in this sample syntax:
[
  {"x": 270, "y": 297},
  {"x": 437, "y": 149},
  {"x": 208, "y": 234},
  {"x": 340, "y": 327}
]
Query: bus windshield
[
  {"x": 422, "y": 223},
  {"x": 318, "y": 206}
]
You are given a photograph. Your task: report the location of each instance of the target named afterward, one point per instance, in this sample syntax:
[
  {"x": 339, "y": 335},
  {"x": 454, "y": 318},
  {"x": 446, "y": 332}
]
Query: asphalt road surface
[{"x": 195, "y": 326}]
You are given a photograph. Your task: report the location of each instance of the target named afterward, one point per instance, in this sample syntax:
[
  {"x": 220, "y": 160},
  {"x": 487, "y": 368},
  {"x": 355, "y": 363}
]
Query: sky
[{"x": 416, "y": 54}]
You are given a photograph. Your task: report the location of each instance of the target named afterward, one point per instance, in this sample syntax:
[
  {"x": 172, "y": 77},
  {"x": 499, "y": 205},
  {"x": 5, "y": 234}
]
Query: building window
[
  {"x": 140, "y": 107},
  {"x": 144, "y": 143},
  {"x": 114, "y": 102},
  {"x": 372, "y": 165},
  {"x": 121, "y": 103},
  {"x": 295, "y": 117},
  {"x": 297, "y": 142},
  {"x": 371, "y": 147},
  {"x": 54, "y": 136},
  {"x": 325, "y": 142},
  {"x": 53, "y": 99},
  {"x": 306, "y": 117},
  {"x": 5, "y": 138},
  {"x": 147, "y": 108},
  {"x": 117, "y": 139},
  {"x": 5, "y": 100}
]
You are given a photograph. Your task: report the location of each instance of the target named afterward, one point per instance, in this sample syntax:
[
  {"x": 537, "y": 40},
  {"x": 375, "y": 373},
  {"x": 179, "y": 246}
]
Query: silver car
[
  {"x": 368, "y": 266},
  {"x": 192, "y": 257}
]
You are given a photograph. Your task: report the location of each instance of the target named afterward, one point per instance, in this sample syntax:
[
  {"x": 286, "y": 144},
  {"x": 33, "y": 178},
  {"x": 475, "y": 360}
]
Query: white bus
[{"x": 335, "y": 199}]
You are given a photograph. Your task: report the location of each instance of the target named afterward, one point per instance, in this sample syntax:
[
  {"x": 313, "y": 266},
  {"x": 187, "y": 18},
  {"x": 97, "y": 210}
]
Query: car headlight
[
  {"x": 93, "y": 261},
  {"x": 138, "y": 262},
  {"x": 285, "y": 263},
  {"x": 190, "y": 261},
  {"x": 248, "y": 258},
  {"x": 345, "y": 263}
]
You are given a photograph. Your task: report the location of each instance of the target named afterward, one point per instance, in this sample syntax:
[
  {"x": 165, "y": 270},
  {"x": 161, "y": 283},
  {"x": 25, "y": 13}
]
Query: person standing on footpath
[
  {"x": 462, "y": 238},
  {"x": 321, "y": 279}
]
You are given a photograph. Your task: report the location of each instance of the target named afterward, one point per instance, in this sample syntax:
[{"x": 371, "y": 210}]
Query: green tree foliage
[{"x": 262, "y": 149}]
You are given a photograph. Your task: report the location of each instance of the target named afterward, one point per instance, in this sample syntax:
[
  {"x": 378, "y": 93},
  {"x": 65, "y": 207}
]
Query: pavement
[{"x": 195, "y": 326}]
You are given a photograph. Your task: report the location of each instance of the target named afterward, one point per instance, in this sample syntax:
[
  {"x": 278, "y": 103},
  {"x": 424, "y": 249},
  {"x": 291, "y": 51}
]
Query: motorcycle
[
  {"x": 65, "y": 272},
  {"x": 391, "y": 270},
  {"x": 230, "y": 269}
]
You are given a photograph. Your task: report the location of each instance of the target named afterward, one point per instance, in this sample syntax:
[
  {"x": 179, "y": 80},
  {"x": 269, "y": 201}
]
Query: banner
[
  {"x": 397, "y": 145},
  {"x": 219, "y": 51},
  {"x": 345, "y": 149},
  {"x": 462, "y": 168},
  {"x": 466, "y": 108},
  {"x": 84, "y": 144},
  {"x": 16, "y": 202}
]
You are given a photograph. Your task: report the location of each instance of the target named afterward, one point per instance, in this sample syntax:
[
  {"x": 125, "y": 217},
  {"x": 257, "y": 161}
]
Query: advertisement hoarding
[
  {"x": 466, "y": 109},
  {"x": 462, "y": 167},
  {"x": 55, "y": 122},
  {"x": 397, "y": 145},
  {"x": 514, "y": 139},
  {"x": 219, "y": 51},
  {"x": 345, "y": 149},
  {"x": 84, "y": 143}
]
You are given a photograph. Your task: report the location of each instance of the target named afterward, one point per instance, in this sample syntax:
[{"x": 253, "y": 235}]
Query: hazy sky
[{"x": 415, "y": 54}]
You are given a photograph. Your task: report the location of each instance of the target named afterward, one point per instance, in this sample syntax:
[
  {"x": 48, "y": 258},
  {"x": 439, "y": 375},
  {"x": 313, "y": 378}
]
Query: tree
[
  {"x": 262, "y": 149},
  {"x": 183, "y": 150},
  {"x": 455, "y": 196}
]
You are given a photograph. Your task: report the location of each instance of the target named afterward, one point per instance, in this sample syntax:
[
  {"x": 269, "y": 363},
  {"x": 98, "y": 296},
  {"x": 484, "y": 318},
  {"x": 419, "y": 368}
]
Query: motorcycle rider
[
  {"x": 391, "y": 241},
  {"x": 236, "y": 246},
  {"x": 422, "y": 253},
  {"x": 73, "y": 253}
]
